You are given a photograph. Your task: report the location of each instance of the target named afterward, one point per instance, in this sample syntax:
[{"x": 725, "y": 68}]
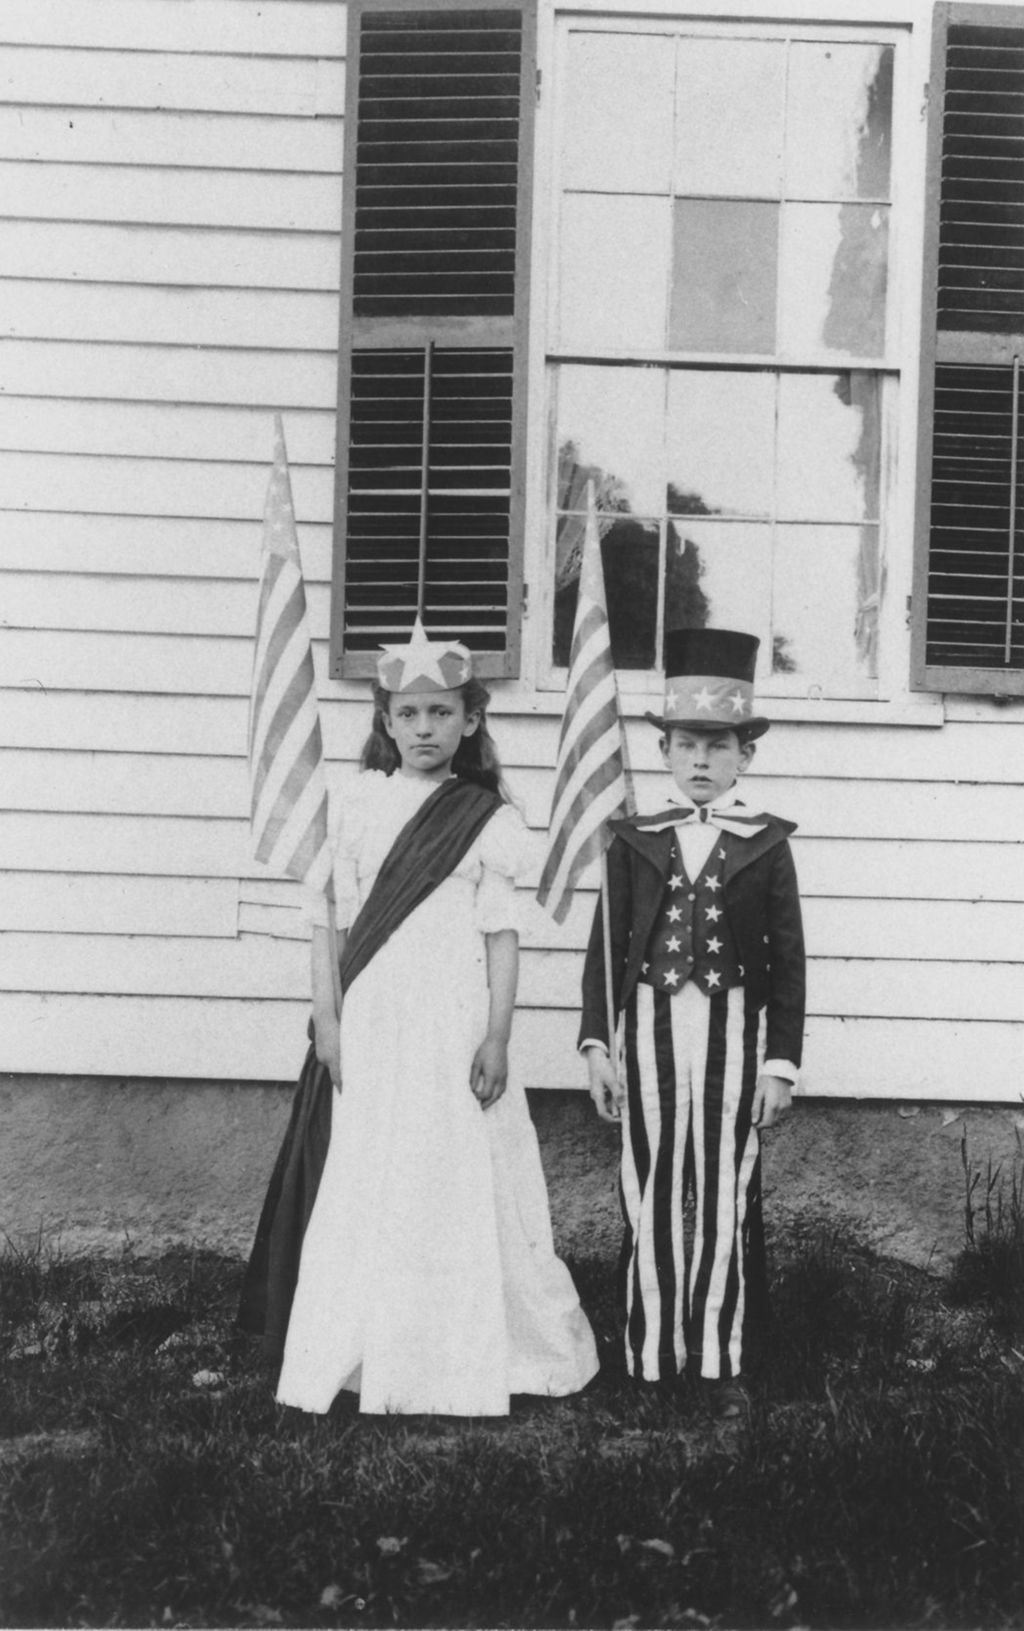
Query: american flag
[
  {"x": 286, "y": 757},
  {"x": 592, "y": 782}
]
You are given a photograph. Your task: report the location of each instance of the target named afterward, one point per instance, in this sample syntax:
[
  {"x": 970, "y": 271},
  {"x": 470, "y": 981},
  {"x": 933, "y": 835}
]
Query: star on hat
[
  {"x": 709, "y": 682},
  {"x": 423, "y": 664}
]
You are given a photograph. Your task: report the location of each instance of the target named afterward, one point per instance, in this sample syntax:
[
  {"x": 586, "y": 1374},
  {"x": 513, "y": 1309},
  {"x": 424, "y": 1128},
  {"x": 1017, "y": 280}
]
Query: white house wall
[{"x": 170, "y": 192}]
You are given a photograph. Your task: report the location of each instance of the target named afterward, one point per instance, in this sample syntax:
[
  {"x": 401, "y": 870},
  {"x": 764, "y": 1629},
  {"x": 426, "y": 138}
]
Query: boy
[{"x": 707, "y": 964}]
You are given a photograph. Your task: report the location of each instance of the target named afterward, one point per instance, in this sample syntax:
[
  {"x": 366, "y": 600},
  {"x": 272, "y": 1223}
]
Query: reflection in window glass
[
  {"x": 719, "y": 573},
  {"x": 723, "y": 276},
  {"x": 716, "y": 151},
  {"x": 631, "y": 152},
  {"x": 825, "y": 606},
  {"x": 720, "y": 442},
  {"x": 613, "y": 420},
  {"x": 829, "y": 446},
  {"x": 723, "y": 232},
  {"x": 838, "y": 129},
  {"x": 630, "y": 549},
  {"x": 613, "y": 272},
  {"x": 835, "y": 263}
]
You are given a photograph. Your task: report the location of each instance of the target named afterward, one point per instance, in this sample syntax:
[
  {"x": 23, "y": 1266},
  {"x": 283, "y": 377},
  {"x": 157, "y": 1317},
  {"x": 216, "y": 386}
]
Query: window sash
[{"x": 883, "y": 365}]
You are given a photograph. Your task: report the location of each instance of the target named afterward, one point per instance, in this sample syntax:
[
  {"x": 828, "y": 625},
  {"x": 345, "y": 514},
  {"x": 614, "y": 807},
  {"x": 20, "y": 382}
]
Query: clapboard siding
[
  {"x": 181, "y": 255},
  {"x": 855, "y": 1058},
  {"x": 244, "y": 966},
  {"x": 68, "y": 903},
  {"x": 130, "y": 783},
  {"x": 221, "y": 141},
  {"x": 141, "y": 604},
  {"x": 297, "y": 86},
  {"x": 168, "y": 546},
  {"x": 880, "y": 874},
  {"x": 124, "y": 846},
  {"x": 161, "y": 196},
  {"x": 271, "y": 319},
  {"x": 257, "y": 965},
  {"x": 170, "y": 192},
  {"x": 147, "y": 720},
  {"x": 271, "y": 28},
  {"x": 156, "y": 487},
  {"x": 147, "y": 373},
  {"x": 262, "y": 1038},
  {"x": 138, "y": 430}
]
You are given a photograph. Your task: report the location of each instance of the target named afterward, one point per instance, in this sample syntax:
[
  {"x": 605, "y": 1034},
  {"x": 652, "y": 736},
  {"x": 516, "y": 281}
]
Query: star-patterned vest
[{"x": 691, "y": 938}]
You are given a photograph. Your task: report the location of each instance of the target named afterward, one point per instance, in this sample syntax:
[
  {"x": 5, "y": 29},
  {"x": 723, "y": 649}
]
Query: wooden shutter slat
[
  {"x": 435, "y": 261},
  {"x": 968, "y": 613}
]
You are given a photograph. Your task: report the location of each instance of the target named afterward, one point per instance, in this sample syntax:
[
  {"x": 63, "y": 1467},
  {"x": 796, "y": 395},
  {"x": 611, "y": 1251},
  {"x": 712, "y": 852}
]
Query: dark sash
[{"x": 426, "y": 851}]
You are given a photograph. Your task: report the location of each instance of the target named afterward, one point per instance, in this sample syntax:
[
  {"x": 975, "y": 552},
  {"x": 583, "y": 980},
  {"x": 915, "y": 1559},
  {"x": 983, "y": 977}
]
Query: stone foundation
[{"x": 98, "y": 1164}]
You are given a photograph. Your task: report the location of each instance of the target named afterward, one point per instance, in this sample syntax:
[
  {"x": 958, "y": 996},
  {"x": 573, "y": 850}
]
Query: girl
[{"x": 428, "y": 1280}]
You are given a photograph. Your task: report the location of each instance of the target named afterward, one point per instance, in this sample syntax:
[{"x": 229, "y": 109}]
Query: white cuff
[
  {"x": 781, "y": 1067},
  {"x": 592, "y": 1042}
]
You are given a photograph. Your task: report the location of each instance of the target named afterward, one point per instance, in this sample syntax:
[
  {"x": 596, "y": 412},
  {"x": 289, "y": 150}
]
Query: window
[
  {"x": 723, "y": 340},
  {"x": 429, "y": 475},
  {"x": 969, "y": 590}
]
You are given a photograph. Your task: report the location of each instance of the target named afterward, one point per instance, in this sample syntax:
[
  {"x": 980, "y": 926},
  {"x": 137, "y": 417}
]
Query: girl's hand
[
  {"x": 327, "y": 1035},
  {"x": 488, "y": 1073}
]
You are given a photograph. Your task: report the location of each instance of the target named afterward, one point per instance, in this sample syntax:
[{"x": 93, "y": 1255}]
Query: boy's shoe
[{"x": 727, "y": 1400}]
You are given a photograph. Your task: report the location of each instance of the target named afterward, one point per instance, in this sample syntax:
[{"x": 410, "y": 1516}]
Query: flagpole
[
  {"x": 332, "y": 950},
  {"x": 609, "y": 995}
]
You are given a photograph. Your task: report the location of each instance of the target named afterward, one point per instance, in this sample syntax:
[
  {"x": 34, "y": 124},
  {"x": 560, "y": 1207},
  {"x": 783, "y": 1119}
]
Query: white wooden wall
[
  {"x": 170, "y": 205},
  {"x": 171, "y": 197}
]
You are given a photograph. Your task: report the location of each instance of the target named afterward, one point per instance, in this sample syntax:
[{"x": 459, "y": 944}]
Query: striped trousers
[{"x": 691, "y": 1071}]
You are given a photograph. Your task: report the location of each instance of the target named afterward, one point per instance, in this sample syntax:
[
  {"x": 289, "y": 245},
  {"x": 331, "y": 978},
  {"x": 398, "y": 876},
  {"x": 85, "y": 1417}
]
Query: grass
[{"x": 877, "y": 1483}]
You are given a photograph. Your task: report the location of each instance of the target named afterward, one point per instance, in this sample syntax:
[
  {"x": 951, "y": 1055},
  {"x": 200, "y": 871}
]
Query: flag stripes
[
  {"x": 286, "y": 760},
  {"x": 691, "y": 1071},
  {"x": 591, "y": 780}
]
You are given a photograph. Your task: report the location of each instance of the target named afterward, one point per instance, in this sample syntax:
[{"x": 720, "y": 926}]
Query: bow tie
[{"x": 730, "y": 820}]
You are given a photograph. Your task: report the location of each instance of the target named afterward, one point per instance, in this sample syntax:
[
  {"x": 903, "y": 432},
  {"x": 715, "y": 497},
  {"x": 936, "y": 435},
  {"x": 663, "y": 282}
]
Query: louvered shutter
[
  {"x": 968, "y": 604},
  {"x": 432, "y": 358}
]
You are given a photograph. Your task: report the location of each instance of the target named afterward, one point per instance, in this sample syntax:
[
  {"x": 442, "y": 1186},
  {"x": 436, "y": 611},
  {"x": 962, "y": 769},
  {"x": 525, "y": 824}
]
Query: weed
[{"x": 990, "y": 1268}]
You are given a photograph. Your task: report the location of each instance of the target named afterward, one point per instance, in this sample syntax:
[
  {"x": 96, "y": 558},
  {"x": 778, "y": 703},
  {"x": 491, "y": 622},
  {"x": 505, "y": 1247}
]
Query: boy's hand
[
  {"x": 605, "y": 1087},
  {"x": 488, "y": 1073},
  {"x": 773, "y": 1096}
]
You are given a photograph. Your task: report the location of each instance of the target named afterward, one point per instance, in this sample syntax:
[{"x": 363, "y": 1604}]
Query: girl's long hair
[{"x": 476, "y": 757}]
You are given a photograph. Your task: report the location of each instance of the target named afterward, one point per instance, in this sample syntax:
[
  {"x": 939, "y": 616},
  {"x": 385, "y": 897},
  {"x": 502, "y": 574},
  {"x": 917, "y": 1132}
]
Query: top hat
[
  {"x": 709, "y": 682},
  {"x": 423, "y": 664}
]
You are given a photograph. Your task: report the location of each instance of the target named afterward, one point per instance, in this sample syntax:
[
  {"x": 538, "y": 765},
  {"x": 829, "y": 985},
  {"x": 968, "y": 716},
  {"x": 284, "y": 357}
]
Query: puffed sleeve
[
  {"x": 347, "y": 821},
  {"x": 507, "y": 852}
]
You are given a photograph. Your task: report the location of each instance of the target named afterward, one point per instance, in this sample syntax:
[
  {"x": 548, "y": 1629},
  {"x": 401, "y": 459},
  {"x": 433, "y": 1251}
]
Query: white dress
[{"x": 428, "y": 1280}]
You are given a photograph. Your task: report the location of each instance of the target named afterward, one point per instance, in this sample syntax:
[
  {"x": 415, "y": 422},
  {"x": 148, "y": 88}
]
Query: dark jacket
[{"x": 762, "y": 905}]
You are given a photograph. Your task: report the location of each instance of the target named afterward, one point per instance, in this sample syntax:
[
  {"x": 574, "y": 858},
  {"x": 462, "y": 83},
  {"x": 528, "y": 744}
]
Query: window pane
[
  {"x": 612, "y": 421},
  {"x": 723, "y": 276},
  {"x": 629, "y": 555},
  {"x": 718, "y": 573},
  {"x": 829, "y": 447},
  {"x": 613, "y": 272},
  {"x": 729, "y": 117},
  {"x": 618, "y": 114},
  {"x": 839, "y": 125},
  {"x": 834, "y": 275},
  {"x": 825, "y": 599},
  {"x": 720, "y": 443}
]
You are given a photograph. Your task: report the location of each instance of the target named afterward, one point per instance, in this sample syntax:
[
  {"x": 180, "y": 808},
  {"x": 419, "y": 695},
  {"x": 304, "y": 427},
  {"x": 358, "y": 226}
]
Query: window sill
[{"x": 916, "y": 708}]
